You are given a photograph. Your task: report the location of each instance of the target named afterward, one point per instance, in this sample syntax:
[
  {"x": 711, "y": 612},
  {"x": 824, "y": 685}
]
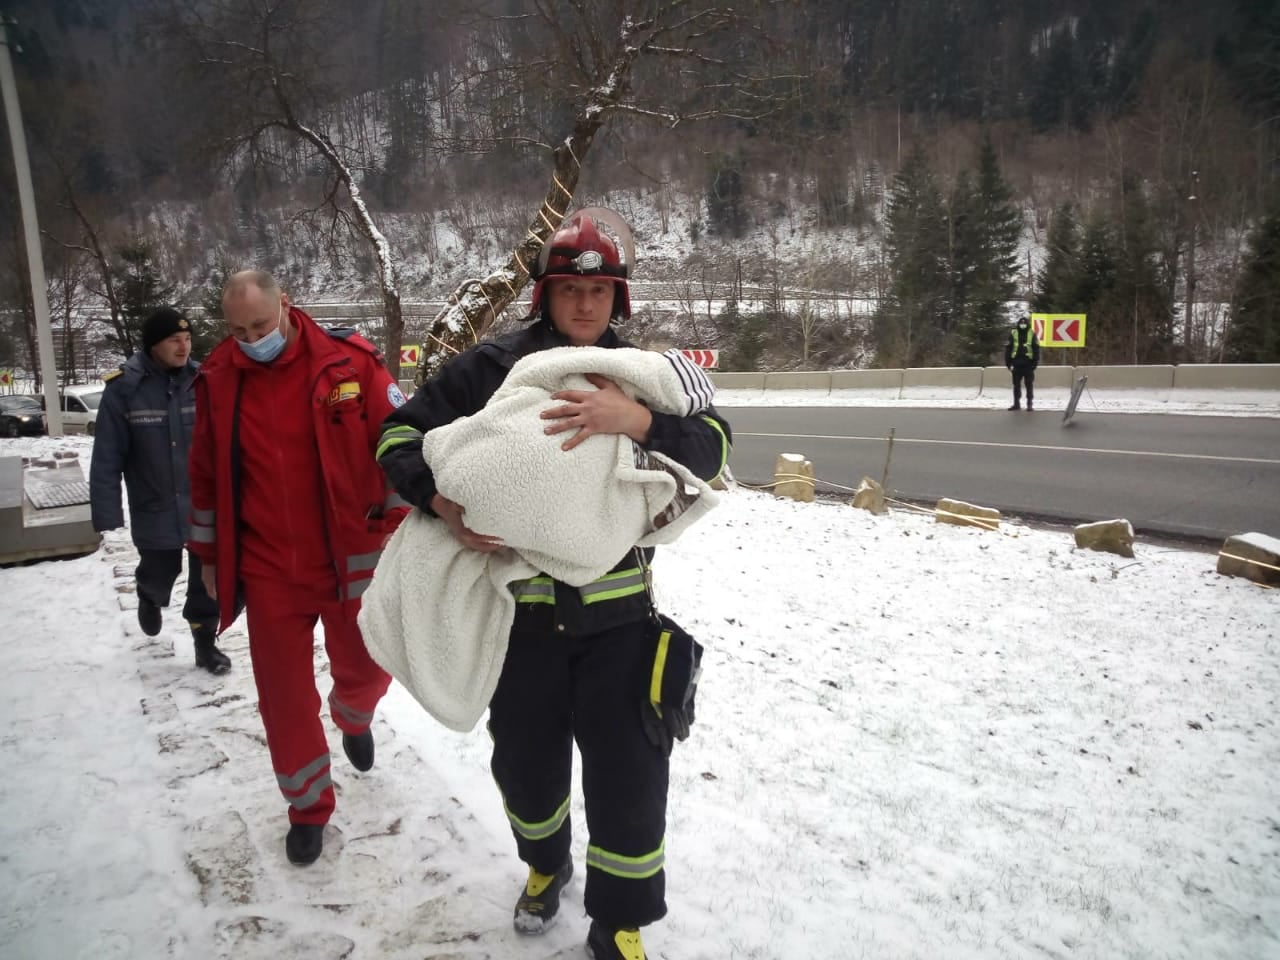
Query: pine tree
[
  {"x": 747, "y": 335},
  {"x": 1056, "y": 282},
  {"x": 1148, "y": 297},
  {"x": 985, "y": 262},
  {"x": 963, "y": 244},
  {"x": 207, "y": 331},
  {"x": 140, "y": 288},
  {"x": 908, "y": 326},
  {"x": 1092, "y": 289},
  {"x": 1254, "y": 335}
]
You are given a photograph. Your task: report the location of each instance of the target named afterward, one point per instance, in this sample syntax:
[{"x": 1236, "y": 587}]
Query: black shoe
[
  {"x": 540, "y": 900},
  {"x": 1029, "y": 406},
  {"x": 1016, "y": 407},
  {"x": 606, "y": 944},
  {"x": 149, "y": 618},
  {"x": 208, "y": 656},
  {"x": 359, "y": 749},
  {"x": 304, "y": 842}
]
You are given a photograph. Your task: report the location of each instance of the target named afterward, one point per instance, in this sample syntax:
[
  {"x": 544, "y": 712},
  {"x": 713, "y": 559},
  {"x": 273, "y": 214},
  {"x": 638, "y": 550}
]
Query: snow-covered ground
[{"x": 913, "y": 741}]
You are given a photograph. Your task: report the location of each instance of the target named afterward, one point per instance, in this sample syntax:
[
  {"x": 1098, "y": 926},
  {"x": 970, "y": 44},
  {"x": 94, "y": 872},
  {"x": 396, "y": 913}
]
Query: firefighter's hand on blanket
[
  {"x": 668, "y": 712},
  {"x": 603, "y": 410},
  {"x": 451, "y": 513}
]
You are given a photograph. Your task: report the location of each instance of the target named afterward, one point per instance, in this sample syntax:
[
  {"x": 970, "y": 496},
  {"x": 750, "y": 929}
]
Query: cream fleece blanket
[{"x": 436, "y": 616}]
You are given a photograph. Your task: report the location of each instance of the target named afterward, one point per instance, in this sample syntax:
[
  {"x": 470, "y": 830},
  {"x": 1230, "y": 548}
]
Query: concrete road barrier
[
  {"x": 917, "y": 381},
  {"x": 1226, "y": 376},
  {"x": 738, "y": 381},
  {"x": 818, "y": 380},
  {"x": 886, "y": 380},
  {"x": 1162, "y": 380},
  {"x": 998, "y": 381},
  {"x": 1158, "y": 377}
]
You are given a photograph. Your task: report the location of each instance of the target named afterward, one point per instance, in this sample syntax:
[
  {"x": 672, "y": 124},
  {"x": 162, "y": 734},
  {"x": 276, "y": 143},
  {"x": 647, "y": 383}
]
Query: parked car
[
  {"x": 80, "y": 407},
  {"x": 20, "y": 415}
]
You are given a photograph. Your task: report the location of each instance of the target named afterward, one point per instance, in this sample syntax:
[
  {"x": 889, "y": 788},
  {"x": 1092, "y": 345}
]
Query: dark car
[{"x": 19, "y": 415}]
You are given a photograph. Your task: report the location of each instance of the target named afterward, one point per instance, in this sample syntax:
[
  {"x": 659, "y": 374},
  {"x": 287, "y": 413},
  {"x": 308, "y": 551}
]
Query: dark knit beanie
[{"x": 161, "y": 325}]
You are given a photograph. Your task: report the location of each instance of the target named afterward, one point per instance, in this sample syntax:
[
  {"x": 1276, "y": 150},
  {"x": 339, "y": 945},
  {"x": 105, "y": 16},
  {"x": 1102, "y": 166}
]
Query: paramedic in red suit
[{"x": 289, "y": 514}]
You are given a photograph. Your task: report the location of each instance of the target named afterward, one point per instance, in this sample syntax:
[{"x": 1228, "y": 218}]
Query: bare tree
[
  {"x": 91, "y": 243},
  {"x": 263, "y": 69},
  {"x": 809, "y": 319},
  {"x": 668, "y": 62},
  {"x": 67, "y": 296}
]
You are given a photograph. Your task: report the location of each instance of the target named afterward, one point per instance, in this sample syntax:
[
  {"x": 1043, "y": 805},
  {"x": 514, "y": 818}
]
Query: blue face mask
[{"x": 265, "y": 349}]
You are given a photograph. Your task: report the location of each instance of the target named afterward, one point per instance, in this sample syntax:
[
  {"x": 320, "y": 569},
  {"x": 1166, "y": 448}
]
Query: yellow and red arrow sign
[{"x": 1059, "y": 329}]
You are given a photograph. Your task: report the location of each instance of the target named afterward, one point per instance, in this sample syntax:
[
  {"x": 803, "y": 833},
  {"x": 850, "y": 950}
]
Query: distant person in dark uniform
[
  {"x": 143, "y": 432},
  {"x": 1022, "y": 356}
]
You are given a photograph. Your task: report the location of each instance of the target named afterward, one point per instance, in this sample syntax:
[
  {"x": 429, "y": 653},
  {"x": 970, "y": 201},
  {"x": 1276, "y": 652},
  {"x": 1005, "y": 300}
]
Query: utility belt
[{"x": 623, "y": 595}]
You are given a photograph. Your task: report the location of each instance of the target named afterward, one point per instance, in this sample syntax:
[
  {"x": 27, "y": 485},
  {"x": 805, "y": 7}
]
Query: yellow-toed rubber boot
[
  {"x": 606, "y": 944},
  {"x": 540, "y": 900}
]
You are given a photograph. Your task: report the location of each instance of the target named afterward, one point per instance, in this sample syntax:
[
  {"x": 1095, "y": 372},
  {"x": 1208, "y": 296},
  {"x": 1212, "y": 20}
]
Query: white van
[{"x": 80, "y": 407}]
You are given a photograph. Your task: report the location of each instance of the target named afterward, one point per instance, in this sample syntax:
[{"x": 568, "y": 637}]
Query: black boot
[
  {"x": 1016, "y": 406},
  {"x": 359, "y": 749},
  {"x": 304, "y": 842},
  {"x": 149, "y": 618},
  {"x": 604, "y": 943},
  {"x": 208, "y": 656},
  {"x": 540, "y": 899}
]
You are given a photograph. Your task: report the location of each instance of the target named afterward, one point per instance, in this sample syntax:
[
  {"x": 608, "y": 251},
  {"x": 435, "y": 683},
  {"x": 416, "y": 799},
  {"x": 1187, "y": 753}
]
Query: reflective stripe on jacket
[{"x": 1022, "y": 347}]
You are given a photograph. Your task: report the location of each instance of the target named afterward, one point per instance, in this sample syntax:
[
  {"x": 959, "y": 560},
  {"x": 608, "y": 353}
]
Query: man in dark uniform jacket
[
  {"x": 143, "y": 433},
  {"x": 1022, "y": 356}
]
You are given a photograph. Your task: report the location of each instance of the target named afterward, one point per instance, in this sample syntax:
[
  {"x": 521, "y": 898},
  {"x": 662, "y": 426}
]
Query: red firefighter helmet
[{"x": 581, "y": 249}]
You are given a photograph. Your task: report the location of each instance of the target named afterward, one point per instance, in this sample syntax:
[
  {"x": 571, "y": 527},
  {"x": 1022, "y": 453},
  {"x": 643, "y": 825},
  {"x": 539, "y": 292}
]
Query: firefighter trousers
[
  {"x": 155, "y": 576},
  {"x": 555, "y": 689},
  {"x": 282, "y": 620}
]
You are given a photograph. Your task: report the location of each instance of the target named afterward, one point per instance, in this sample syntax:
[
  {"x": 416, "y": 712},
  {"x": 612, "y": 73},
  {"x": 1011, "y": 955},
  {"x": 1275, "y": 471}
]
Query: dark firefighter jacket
[{"x": 462, "y": 387}]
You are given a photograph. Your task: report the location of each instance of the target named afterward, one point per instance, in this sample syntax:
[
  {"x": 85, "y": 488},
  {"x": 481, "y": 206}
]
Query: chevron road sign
[
  {"x": 707, "y": 359},
  {"x": 1059, "y": 329}
]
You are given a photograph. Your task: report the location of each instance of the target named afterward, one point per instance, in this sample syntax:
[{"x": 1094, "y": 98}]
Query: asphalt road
[{"x": 1186, "y": 476}]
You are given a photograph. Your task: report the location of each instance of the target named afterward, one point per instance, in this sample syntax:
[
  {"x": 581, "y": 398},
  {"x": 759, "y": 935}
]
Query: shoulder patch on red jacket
[{"x": 352, "y": 336}]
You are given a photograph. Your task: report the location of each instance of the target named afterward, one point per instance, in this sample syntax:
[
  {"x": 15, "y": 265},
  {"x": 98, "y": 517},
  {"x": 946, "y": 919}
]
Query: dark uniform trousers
[
  {"x": 1021, "y": 372},
  {"x": 555, "y": 687},
  {"x": 155, "y": 576}
]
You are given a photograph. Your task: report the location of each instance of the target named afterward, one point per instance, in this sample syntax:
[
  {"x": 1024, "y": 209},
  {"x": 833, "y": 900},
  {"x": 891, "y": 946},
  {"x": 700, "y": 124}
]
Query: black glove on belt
[{"x": 668, "y": 712}]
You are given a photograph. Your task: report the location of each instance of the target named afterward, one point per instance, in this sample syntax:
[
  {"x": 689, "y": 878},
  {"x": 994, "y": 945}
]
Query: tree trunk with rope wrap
[{"x": 476, "y": 304}]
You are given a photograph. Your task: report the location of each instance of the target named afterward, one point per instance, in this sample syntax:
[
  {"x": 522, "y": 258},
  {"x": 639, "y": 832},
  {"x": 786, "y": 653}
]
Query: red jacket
[{"x": 327, "y": 528}]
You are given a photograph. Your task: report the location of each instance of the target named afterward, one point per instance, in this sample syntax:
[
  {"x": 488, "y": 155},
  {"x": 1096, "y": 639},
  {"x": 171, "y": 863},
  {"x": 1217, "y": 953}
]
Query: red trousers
[{"x": 282, "y": 621}]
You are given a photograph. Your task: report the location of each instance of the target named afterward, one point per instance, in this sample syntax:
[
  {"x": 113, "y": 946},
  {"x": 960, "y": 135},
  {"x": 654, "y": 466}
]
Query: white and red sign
[
  {"x": 409, "y": 355},
  {"x": 1059, "y": 329},
  {"x": 707, "y": 359}
]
